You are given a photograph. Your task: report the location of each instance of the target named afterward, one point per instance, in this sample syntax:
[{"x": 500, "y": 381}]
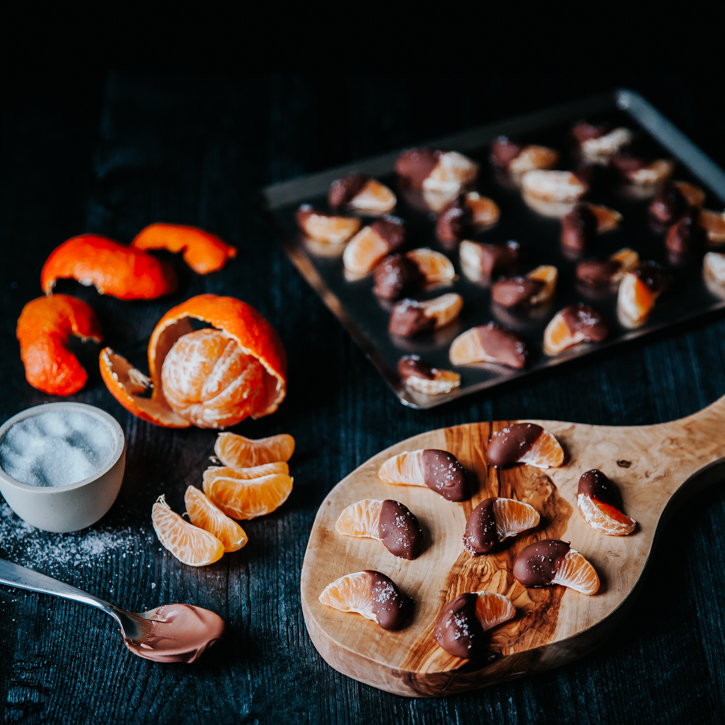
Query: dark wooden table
[{"x": 113, "y": 152}]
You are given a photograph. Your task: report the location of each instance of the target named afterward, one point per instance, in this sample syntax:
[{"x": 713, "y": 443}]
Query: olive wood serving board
[{"x": 553, "y": 625}]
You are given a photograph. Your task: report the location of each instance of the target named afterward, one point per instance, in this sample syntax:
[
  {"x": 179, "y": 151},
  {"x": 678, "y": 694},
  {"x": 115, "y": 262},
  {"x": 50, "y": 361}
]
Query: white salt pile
[{"x": 56, "y": 448}]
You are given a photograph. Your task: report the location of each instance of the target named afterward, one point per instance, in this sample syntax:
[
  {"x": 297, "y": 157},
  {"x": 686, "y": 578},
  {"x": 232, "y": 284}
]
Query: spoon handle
[{"x": 17, "y": 576}]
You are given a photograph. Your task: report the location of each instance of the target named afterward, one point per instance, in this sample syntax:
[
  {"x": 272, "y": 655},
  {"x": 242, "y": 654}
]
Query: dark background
[{"x": 110, "y": 152}]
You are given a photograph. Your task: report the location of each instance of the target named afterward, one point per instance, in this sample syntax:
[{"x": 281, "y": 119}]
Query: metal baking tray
[{"x": 366, "y": 318}]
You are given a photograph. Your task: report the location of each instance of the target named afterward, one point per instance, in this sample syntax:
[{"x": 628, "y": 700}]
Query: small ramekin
[{"x": 75, "y": 505}]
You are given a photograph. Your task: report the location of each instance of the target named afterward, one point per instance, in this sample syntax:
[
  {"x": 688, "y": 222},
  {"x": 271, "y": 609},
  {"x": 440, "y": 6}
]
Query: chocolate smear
[
  {"x": 344, "y": 190},
  {"x": 596, "y": 484},
  {"x": 481, "y": 536},
  {"x": 399, "y": 530},
  {"x": 397, "y": 275},
  {"x": 458, "y": 630},
  {"x": 537, "y": 564},
  {"x": 507, "y": 446},
  {"x": 390, "y": 607},
  {"x": 444, "y": 474}
]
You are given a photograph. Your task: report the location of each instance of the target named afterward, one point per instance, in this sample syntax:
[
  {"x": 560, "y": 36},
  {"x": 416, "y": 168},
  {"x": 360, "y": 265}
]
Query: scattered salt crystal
[{"x": 56, "y": 448}]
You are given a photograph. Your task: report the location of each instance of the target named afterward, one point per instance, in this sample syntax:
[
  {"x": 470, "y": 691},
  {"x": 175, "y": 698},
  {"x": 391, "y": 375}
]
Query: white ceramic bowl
[{"x": 75, "y": 505}]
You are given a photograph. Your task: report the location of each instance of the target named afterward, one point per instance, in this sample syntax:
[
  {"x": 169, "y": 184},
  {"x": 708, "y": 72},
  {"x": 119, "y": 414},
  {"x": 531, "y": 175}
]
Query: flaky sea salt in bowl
[{"x": 61, "y": 465}]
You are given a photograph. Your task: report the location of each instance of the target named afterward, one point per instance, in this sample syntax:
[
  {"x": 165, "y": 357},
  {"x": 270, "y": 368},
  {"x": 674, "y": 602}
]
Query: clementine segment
[
  {"x": 513, "y": 517},
  {"x": 247, "y": 499},
  {"x": 245, "y": 474},
  {"x": 350, "y": 593},
  {"x": 203, "y": 252},
  {"x": 577, "y": 573},
  {"x": 604, "y": 517},
  {"x": 204, "y": 514},
  {"x": 546, "y": 452},
  {"x": 493, "y": 609},
  {"x": 361, "y": 519},
  {"x": 406, "y": 468},
  {"x": 44, "y": 328},
  {"x": 110, "y": 267},
  {"x": 239, "y": 452},
  {"x": 188, "y": 543}
]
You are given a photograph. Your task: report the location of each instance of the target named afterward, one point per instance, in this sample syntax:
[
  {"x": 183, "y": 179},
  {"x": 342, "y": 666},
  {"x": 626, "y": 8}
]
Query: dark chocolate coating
[
  {"x": 508, "y": 445},
  {"x": 444, "y": 474},
  {"x": 408, "y": 318},
  {"x": 392, "y": 230},
  {"x": 515, "y": 291},
  {"x": 504, "y": 151},
  {"x": 480, "y": 536},
  {"x": 390, "y": 607},
  {"x": 504, "y": 345},
  {"x": 458, "y": 630},
  {"x": 411, "y": 366},
  {"x": 304, "y": 213},
  {"x": 344, "y": 190},
  {"x": 686, "y": 235},
  {"x": 415, "y": 165},
  {"x": 579, "y": 228},
  {"x": 537, "y": 564},
  {"x": 497, "y": 259},
  {"x": 584, "y": 131},
  {"x": 399, "y": 530},
  {"x": 596, "y": 273},
  {"x": 397, "y": 275},
  {"x": 596, "y": 484},
  {"x": 455, "y": 221},
  {"x": 586, "y": 320},
  {"x": 653, "y": 276},
  {"x": 669, "y": 204}
]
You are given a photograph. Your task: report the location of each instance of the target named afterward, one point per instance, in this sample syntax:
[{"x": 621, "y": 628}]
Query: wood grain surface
[
  {"x": 553, "y": 625},
  {"x": 112, "y": 152}
]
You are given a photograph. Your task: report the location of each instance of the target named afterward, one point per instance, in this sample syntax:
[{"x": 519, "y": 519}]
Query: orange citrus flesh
[
  {"x": 577, "y": 573},
  {"x": 694, "y": 194},
  {"x": 484, "y": 211},
  {"x": 361, "y": 519},
  {"x": 714, "y": 225},
  {"x": 350, "y": 593},
  {"x": 330, "y": 229},
  {"x": 374, "y": 197},
  {"x": 443, "y": 382},
  {"x": 245, "y": 474},
  {"x": 188, "y": 543},
  {"x": 364, "y": 251},
  {"x": 493, "y": 608},
  {"x": 44, "y": 328},
  {"x": 110, "y": 267},
  {"x": 513, "y": 517},
  {"x": 203, "y": 252},
  {"x": 208, "y": 380},
  {"x": 603, "y": 517},
  {"x": 635, "y": 300},
  {"x": 405, "y": 468},
  {"x": 204, "y": 514},
  {"x": 545, "y": 453},
  {"x": 558, "y": 336},
  {"x": 467, "y": 348},
  {"x": 434, "y": 266},
  {"x": 247, "y": 499},
  {"x": 444, "y": 309},
  {"x": 607, "y": 219},
  {"x": 239, "y": 452},
  {"x": 549, "y": 275}
]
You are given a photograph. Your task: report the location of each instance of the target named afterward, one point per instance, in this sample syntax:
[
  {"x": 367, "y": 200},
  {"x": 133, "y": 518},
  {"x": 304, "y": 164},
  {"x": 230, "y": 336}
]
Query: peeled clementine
[
  {"x": 203, "y": 252},
  {"x": 216, "y": 377},
  {"x": 110, "y": 267},
  {"x": 204, "y": 514},
  {"x": 43, "y": 330}
]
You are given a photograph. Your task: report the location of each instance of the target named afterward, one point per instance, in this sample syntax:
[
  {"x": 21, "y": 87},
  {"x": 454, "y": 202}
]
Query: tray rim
[{"x": 659, "y": 126}]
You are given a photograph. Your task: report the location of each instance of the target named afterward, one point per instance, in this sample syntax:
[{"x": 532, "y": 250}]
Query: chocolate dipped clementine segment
[
  {"x": 44, "y": 327},
  {"x": 362, "y": 193},
  {"x": 638, "y": 292},
  {"x": 596, "y": 273},
  {"x": 435, "y": 267},
  {"x": 552, "y": 561},
  {"x": 247, "y": 498},
  {"x": 372, "y": 243},
  {"x": 490, "y": 343},
  {"x": 113, "y": 269},
  {"x": 600, "y": 505},
  {"x": 204, "y": 514},
  {"x": 239, "y": 452},
  {"x": 461, "y": 625},
  {"x": 216, "y": 378},
  {"x": 440, "y": 470},
  {"x": 188, "y": 543},
  {"x": 421, "y": 377},
  {"x": 370, "y": 594},
  {"x": 203, "y": 252},
  {"x": 411, "y": 317},
  {"x": 495, "y": 520},
  {"x": 524, "y": 443},
  {"x": 389, "y": 522},
  {"x": 573, "y": 325}
]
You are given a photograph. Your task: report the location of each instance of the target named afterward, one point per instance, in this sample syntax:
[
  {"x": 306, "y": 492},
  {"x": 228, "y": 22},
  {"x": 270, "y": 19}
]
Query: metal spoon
[{"x": 134, "y": 627}]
